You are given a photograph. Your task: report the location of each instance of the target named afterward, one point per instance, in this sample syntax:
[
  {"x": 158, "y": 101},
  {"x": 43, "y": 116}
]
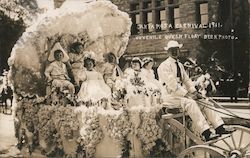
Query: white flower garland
[
  {"x": 91, "y": 133},
  {"x": 119, "y": 126},
  {"x": 148, "y": 131}
]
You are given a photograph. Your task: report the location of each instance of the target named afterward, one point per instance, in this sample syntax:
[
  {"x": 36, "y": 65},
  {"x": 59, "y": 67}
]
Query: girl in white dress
[
  {"x": 93, "y": 89},
  {"x": 134, "y": 84},
  {"x": 152, "y": 85}
]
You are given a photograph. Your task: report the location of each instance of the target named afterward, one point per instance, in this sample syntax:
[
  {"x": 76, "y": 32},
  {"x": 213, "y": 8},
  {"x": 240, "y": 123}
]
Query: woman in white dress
[
  {"x": 93, "y": 88},
  {"x": 152, "y": 85},
  {"x": 134, "y": 84}
]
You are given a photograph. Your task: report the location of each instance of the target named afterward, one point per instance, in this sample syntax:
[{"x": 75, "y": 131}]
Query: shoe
[
  {"x": 224, "y": 130},
  {"x": 208, "y": 135},
  {"x": 212, "y": 136}
]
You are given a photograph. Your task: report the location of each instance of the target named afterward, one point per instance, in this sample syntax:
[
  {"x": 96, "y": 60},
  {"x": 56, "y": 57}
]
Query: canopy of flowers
[{"x": 90, "y": 23}]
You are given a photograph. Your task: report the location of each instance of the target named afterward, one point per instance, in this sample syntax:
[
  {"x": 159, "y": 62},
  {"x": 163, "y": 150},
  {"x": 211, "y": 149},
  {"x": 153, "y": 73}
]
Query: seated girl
[
  {"x": 93, "y": 88},
  {"x": 111, "y": 71}
]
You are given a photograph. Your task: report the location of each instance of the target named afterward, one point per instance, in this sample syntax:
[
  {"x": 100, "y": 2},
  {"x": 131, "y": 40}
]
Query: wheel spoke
[
  {"x": 227, "y": 144},
  {"x": 245, "y": 148},
  {"x": 221, "y": 148},
  {"x": 205, "y": 154},
  {"x": 232, "y": 137},
  {"x": 241, "y": 136},
  {"x": 201, "y": 150}
]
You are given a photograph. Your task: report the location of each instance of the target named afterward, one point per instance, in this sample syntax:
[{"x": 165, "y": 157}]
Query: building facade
[{"x": 205, "y": 27}]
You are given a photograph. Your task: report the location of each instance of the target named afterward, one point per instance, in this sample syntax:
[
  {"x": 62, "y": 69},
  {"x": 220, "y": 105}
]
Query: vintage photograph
[{"x": 124, "y": 79}]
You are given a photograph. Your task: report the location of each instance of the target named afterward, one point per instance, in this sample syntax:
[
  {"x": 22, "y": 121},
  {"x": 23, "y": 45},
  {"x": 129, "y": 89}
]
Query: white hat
[
  {"x": 90, "y": 55},
  {"x": 147, "y": 60},
  {"x": 136, "y": 59},
  {"x": 57, "y": 46},
  {"x": 173, "y": 44}
]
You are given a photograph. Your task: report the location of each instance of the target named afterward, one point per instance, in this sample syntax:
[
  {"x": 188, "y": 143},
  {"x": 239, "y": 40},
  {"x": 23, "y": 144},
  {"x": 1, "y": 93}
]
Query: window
[
  {"x": 134, "y": 6},
  {"x": 135, "y": 17},
  {"x": 173, "y": 1},
  {"x": 202, "y": 13},
  {"x": 177, "y": 16},
  {"x": 174, "y": 16},
  {"x": 160, "y": 3},
  {"x": 135, "y": 23},
  {"x": 147, "y": 5},
  {"x": 161, "y": 20},
  {"x": 150, "y": 22},
  {"x": 151, "y": 15}
]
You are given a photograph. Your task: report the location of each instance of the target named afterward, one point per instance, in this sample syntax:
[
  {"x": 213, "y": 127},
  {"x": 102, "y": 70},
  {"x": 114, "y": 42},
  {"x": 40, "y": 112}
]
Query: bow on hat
[
  {"x": 57, "y": 46},
  {"x": 173, "y": 44}
]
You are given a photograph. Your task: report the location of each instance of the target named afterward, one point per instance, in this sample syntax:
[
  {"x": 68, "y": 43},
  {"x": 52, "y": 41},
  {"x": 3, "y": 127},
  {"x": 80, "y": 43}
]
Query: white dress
[
  {"x": 94, "y": 88},
  {"x": 152, "y": 85},
  {"x": 149, "y": 79},
  {"x": 135, "y": 87}
]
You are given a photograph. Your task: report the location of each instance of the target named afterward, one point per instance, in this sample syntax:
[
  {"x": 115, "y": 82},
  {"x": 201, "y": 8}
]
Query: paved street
[{"x": 8, "y": 139}]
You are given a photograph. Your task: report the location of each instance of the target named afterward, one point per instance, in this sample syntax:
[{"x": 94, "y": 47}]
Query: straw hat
[
  {"x": 57, "y": 46},
  {"x": 173, "y": 44}
]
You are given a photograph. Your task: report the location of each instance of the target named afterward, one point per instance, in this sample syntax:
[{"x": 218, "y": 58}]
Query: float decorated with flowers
[
  {"x": 73, "y": 100},
  {"x": 59, "y": 119}
]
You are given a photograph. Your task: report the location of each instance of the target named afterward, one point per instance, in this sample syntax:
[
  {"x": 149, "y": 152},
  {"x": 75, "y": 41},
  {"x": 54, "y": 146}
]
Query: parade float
[
  {"x": 56, "y": 124},
  {"x": 129, "y": 124}
]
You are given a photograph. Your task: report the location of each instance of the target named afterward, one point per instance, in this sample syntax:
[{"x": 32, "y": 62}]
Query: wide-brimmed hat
[
  {"x": 57, "y": 46},
  {"x": 173, "y": 44},
  {"x": 147, "y": 60}
]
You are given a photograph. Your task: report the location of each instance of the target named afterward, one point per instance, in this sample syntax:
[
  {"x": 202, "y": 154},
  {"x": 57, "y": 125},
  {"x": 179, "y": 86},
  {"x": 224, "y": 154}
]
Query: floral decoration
[
  {"x": 138, "y": 85},
  {"x": 148, "y": 131},
  {"x": 91, "y": 132},
  {"x": 66, "y": 121},
  {"x": 119, "y": 126}
]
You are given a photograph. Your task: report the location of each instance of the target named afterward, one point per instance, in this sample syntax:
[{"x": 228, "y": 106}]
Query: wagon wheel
[
  {"x": 201, "y": 151},
  {"x": 237, "y": 145}
]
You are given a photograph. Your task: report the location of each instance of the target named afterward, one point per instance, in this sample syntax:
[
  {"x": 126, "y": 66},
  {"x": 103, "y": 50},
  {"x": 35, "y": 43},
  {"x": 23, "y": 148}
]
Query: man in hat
[
  {"x": 179, "y": 90},
  {"x": 56, "y": 73}
]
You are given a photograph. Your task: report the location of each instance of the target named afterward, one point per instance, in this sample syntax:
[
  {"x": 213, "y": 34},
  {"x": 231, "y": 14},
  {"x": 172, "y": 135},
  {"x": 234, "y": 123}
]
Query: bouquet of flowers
[{"x": 138, "y": 85}]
